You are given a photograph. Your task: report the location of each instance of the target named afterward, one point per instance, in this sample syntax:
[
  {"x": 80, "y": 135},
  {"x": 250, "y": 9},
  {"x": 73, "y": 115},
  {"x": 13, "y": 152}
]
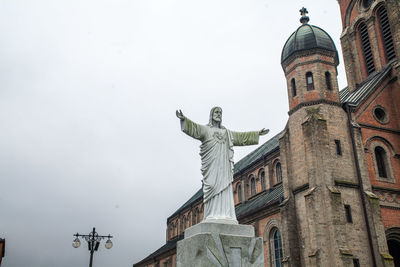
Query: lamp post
[{"x": 93, "y": 239}]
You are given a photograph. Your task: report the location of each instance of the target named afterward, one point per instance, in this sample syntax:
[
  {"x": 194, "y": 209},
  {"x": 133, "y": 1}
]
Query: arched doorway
[{"x": 393, "y": 240}]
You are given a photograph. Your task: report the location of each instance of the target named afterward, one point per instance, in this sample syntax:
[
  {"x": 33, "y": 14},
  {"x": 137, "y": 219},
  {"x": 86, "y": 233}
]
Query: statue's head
[{"x": 215, "y": 116}]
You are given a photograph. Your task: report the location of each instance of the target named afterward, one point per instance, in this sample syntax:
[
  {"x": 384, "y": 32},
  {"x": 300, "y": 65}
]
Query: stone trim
[
  {"x": 307, "y": 63},
  {"x": 312, "y": 103},
  {"x": 314, "y": 253},
  {"x": 388, "y": 198},
  {"x": 346, "y": 184},
  {"x": 310, "y": 192},
  {"x": 301, "y": 188},
  {"x": 346, "y": 251},
  {"x": 334, "y": 190}
]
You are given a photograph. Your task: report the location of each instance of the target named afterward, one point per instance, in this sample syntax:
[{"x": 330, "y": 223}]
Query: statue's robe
[{"x": 216, "y": 153}]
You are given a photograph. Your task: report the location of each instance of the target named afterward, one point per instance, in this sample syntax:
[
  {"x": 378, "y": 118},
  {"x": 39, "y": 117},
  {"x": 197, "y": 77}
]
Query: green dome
[{"x": 307, "y": 37}]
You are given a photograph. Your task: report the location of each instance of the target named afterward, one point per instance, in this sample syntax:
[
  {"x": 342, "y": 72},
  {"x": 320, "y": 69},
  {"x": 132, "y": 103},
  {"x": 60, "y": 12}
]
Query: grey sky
[{"x": 88, "y": 93}]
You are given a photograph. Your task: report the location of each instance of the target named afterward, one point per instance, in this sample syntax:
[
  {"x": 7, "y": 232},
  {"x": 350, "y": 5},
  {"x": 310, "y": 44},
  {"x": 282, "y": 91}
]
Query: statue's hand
[
  {"x": 263, "y": 131},
  {"x": 180, "y": 115}
]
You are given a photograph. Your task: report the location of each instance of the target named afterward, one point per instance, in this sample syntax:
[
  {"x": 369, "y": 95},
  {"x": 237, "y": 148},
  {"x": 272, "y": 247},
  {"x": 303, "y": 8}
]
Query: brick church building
[{"x": 326, "y": 190}]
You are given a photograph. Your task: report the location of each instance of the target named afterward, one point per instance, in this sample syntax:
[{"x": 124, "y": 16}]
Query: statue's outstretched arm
[
  {"x": 263, "y": 131},
  {"x": 180, "y": 115},
  {"x": 191, "y": 128}
]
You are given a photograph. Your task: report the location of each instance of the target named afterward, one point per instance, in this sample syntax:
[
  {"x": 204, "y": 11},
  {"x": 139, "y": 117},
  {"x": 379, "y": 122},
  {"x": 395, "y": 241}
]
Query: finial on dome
[{"x": 304, "y": 18}]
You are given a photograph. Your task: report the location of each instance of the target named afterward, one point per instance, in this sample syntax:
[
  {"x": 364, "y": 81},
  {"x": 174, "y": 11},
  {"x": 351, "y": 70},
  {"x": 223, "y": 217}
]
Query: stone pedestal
[{"x": 216, "y": 244}]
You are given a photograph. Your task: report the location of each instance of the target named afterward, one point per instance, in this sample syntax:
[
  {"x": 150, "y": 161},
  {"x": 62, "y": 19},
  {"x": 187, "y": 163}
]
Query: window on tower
[
  {"x": 338, "y": 147},
  {"x": 310, "y": 81},
  {"x": 386, "y": 33},
  {"x": 347, "y": 210},
  {"x": 366, "y": 48},
  {"x": 294, "y": 91},
  {"x": 380, "y": 157},
  {"x": 328, "y": 80}
]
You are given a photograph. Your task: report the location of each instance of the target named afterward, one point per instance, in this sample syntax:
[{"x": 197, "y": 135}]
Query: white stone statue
[{"x": 216, "y": 153}]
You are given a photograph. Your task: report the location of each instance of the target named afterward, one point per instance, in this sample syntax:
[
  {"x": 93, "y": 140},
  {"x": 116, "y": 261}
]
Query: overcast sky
[{"x": 88, "y": 93}]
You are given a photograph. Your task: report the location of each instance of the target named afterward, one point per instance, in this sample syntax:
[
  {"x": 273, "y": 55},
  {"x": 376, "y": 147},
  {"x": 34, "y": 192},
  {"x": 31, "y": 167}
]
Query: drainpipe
[{"x": 360, "y": 182}]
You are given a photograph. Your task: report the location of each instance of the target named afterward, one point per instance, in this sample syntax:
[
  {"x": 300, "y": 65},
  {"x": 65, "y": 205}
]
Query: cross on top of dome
[{"x": 304, "y": 18}]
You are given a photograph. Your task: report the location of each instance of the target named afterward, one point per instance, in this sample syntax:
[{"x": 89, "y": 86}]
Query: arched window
[
  {"x": 278, "y": 170},
  {"x": 393, "y": 241},
  {"x": 198, "y": 215},
  {"x": 309, "y": 81},
  {"x": 328, "y": 81},
  {"x": 366, "y": 48},
  {"x": 184, "y": 222},
  {"x": 175, "y": 228},
  {"x": 253, "y": 186},
  {"x": 381, "y": 161},
  {"x": 263, "y": 182},
  {"x": 181, "y": 226},
  {"x": 276, "y": 248},
  {"x": 386, "y": 33},
  {"x": 293, "y": 85},
  {"x": 170, "y": 231},
  {"x": 194, "y": 218},
  {"x": 239, "y": 192}
]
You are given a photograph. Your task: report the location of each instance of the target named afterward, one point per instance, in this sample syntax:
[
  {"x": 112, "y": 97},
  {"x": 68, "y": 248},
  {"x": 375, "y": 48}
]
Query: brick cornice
[
  {"x": 309, "y": 62},
  {"x": 309, "y": 52},
  {"x": 386, "y": 189},
  {"x": 301, "y": 188},
  {"x": 315, "y": 102},
  {"x": 374, "y": 127}
]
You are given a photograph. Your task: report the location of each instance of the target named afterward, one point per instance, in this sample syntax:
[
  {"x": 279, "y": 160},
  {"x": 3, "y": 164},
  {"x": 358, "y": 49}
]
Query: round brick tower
[
  {"x": 330, "y": 216},
  {"x": 309, "y": 60}
]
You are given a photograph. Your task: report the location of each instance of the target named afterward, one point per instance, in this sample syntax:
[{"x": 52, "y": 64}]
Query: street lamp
[{"x": 93, "y": 240}]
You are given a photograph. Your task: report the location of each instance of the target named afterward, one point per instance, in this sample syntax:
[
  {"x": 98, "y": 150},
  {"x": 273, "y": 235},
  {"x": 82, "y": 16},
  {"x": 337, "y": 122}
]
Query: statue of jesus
[{"x": 216, "y": 151}]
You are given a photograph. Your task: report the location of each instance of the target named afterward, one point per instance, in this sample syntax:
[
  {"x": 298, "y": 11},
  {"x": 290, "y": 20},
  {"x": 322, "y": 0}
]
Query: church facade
[{"x": 325, "y": 191}]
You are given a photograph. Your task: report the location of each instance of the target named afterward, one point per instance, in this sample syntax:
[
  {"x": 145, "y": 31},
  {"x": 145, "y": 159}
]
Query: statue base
[{"x": 219, "y": 244}]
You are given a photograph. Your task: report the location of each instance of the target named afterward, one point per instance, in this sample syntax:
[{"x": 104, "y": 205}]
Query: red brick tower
[
  {"x": 370, "y": 37},
  {"x": 371, "y": 50},
  {"x": 309, "y": 59},
  {"x": 330, "y": 215}
]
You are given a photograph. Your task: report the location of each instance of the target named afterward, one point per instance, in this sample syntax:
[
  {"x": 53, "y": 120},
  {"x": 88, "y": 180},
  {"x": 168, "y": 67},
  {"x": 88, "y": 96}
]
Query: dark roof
[
  {"x": 197, "y": 196},
  {"x": 171, "y": 244},
  {"x": 265, "y": 149},
  {"x": 307, "y": 37},
  {"x": 260, "y": 201},
  {"x": 364, "y": 90}
]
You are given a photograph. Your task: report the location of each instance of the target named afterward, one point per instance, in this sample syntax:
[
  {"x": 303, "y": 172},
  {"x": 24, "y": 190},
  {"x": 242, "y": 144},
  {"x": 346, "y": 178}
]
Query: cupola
[{"x": 309, "y": 59}]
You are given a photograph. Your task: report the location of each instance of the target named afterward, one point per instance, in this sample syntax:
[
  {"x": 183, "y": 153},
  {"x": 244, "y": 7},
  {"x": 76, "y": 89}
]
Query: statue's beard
[{"x": 216, "y": 123}]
